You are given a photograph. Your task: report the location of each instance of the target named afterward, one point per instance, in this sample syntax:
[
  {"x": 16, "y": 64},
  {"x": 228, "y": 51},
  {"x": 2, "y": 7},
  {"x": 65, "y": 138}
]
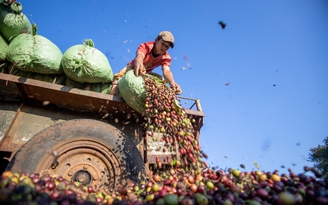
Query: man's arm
[
  {"x": 139, "y": 68},
  {"x": 168, "y": 75}
]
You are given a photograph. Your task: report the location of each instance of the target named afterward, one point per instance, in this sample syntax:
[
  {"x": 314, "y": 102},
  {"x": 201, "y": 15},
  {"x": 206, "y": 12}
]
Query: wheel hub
[
  {"x": 82, "y": 176},
  {"x": 86, "y": 161}
]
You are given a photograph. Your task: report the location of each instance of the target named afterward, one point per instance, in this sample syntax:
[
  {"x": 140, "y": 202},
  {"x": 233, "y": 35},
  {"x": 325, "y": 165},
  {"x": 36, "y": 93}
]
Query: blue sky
[{"x": 264, "y": 43}]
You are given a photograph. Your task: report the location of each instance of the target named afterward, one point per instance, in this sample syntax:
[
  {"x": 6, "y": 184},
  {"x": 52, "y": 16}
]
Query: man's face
[{"x": 161, "y": 46}]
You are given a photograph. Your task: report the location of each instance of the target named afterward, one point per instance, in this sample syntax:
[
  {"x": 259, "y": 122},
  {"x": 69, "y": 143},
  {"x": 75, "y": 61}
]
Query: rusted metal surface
[
  {"x": 49, "y": 93},
  {"x": 32, "y": 118},
  {"x": 86, "y": 161},
  {"x": 63, "y": 95},
  {"x": 45, "y": 104},
  {"x": 37, "y": 111},
  {"x": 28, "y": 121},
  {"x": 84, "y": 150},
  {"x": 8, "y": 89},
  {"x": 196, "y": 102},
  {"x": 72, "y": 98},
  {"x": 7, "y": 113}
]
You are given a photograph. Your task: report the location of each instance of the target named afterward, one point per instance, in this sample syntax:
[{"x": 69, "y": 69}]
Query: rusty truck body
[{"x": 82, "y": 135}]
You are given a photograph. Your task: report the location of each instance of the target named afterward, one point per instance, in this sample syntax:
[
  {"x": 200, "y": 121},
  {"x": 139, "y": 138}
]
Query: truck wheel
[{"x": 89, "y": 151}]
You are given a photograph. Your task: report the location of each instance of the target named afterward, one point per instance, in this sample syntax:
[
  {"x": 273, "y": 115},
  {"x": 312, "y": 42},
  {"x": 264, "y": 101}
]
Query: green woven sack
[
  {"x": 104, "y": 88},
  {"x": 85, "y": 64},
  {"x": 101, "y": 87},
  {"x": 132, "y": 90},
  {"x": 35, "y": 53},
  {"x": 21, "y": 73},
  {"x": 51, "y": 78},
  {"x": 13, "y": 21},
  {"x": 73, "y": 84},
  {"x": 3, "y": 48}
]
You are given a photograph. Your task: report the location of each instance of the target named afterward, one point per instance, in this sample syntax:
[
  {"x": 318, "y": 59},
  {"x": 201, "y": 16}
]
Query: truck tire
[{"x": 89, "y": 151}]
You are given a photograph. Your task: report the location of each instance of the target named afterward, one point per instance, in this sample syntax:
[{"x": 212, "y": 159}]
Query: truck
[{"x": 89, "y": 137}]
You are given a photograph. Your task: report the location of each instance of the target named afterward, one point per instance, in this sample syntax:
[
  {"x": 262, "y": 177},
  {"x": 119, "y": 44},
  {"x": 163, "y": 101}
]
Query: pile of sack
[{"x": 30, "y": 55}]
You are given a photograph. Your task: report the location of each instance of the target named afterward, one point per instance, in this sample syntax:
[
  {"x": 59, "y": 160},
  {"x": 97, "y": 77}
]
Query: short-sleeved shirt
[{"x": 149, "y": 61}]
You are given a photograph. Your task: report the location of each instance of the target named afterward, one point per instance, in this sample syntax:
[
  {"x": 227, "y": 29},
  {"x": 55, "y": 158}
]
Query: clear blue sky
[{"x": 264, "y": 43}]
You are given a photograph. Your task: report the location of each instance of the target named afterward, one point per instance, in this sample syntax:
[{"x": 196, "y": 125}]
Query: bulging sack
[
  {"x": 132, "y": 90},
  {"x": 35, "y": 53},
  {"x": 13, "y": 21},
  {"x": 3, "y": 48},
  {"x": 85, "y": 64}
]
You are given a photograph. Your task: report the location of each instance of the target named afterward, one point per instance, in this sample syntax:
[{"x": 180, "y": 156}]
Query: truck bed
[
  {"x": 32, "y": 105},
  {"x": 20, "y": 88},
  {"x": 15, "y": 87}
]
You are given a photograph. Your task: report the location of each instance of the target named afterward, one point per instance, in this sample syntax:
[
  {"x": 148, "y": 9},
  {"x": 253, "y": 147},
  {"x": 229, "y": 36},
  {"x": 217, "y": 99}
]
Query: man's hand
[
  {"x": 176, "y": 88},
  {"x": 139, "y": 69}
]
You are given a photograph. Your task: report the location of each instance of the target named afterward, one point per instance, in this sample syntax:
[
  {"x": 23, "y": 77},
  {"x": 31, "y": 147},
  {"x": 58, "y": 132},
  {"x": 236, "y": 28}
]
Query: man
[{"x": 149, "y": 56}]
